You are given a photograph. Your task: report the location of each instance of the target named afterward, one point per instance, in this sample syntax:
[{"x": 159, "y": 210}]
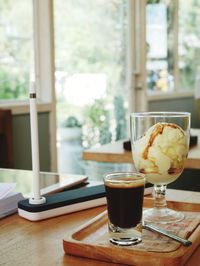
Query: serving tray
[{"x": 91, "y": 240}]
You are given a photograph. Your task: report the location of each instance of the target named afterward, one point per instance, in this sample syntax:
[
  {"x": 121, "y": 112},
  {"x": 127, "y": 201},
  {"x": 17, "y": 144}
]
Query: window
[
  {"x": 91, "y": 39},
  {"x": 159, "y": 51},
  {"x": 16, "y": 46},
  {"x": 91, "y": 66},
  {"x": 189, "y": 43},
  {"x": 173, "y": 43},
  {"x": 90, "y": 61}
]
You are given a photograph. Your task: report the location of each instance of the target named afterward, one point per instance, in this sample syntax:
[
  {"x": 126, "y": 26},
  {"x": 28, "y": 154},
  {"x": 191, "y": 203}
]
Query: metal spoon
[{"x": 153, "y": 228}]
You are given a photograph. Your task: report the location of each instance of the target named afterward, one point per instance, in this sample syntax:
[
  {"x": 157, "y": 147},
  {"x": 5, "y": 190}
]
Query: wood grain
[
  {"x": 41, "y": 243},
  {"x": 91, "y": 240}
]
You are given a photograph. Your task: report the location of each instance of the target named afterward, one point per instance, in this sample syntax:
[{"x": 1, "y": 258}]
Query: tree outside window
[{"x": 16, "y": 46}]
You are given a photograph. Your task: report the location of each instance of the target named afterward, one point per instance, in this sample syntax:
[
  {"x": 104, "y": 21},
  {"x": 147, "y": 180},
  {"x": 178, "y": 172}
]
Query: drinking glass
[
  {"x": 160, "y": 143},
  {"x": 124, "y": 194}
]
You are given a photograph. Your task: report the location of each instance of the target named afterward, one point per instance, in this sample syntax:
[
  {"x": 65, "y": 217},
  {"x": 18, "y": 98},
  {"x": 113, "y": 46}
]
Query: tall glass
[{"x": 160, "y": 143}]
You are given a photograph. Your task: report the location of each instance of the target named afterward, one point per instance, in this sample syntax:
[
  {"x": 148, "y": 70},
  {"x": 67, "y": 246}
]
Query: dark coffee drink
[{"x": 124, "y": 201}]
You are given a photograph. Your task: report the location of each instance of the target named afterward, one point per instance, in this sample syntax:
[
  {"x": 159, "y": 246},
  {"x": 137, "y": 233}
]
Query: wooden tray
[{"x": 91, "y": 241}]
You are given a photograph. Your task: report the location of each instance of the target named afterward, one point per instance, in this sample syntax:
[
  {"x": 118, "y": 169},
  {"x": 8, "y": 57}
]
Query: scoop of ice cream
[{"x": 161, "y": 153}]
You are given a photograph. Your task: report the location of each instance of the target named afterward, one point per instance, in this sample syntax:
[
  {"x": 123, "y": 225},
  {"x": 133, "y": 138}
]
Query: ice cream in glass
[{"x": 160, "y": 142}]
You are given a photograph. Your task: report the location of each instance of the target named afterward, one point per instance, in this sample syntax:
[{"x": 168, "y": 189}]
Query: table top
[
  {"x": 49, "y": 181},
  {"x": 115, "y": 153},
  {"x": 23, "y": 242}
]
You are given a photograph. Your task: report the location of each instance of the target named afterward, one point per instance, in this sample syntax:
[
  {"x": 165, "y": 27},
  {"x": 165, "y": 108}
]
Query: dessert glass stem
[
  {"x": 159, "y": 196},
  {"x": 160, "y": 213}
]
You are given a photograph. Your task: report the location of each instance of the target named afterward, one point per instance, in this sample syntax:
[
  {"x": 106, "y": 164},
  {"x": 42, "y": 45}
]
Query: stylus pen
[{"x": 37, "y": 199}]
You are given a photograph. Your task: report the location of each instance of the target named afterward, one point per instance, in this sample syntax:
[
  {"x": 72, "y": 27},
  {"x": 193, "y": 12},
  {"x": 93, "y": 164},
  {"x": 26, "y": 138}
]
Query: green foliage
[
  {"x": 153, "y": 1},
  {"x": 120, "y": 115},
  {"x": 86, "y": 42},
  {"x": 97, "y": 124},
  {"x": 15, "y": 48},
  {"x": 188, "y": 45},
  {"x": 93, "y": 42},
  {"x": 71, "y": 121},
  {"x": 13, "y": 85},
  {"x": 190, "y": 57}
]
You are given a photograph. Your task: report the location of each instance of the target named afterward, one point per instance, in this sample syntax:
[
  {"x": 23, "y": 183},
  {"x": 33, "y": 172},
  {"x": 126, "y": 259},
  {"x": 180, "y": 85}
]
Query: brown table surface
[
  {"x": 114, "y": 153},
  {"x": 40, "y": 243}
]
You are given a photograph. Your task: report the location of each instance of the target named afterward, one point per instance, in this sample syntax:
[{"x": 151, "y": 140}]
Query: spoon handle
[{"x": 166, "y": 233}]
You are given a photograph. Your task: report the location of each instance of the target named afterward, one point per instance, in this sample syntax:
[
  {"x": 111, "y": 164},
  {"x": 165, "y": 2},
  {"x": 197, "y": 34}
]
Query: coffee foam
[{"x": 124, "y": 182}]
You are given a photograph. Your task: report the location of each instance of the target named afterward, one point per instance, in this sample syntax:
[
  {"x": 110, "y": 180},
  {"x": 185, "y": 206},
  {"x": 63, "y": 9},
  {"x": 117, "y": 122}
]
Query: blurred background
[{"x": 94, "y": 62}]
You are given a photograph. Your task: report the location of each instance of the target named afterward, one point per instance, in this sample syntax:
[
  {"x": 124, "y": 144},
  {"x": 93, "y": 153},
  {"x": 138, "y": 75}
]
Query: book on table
[{"x": 9, "y": 199}]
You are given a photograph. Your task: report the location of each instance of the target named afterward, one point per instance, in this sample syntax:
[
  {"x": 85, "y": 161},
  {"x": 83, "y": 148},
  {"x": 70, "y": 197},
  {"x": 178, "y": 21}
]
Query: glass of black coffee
[{"x": 124, "y": 194}]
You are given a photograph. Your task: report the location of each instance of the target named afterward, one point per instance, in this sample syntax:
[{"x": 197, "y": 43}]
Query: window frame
[
  {"x": 44, "y": 41},
  {"x": 44, "y": 72},
  {"x": 45, "y": 69}
]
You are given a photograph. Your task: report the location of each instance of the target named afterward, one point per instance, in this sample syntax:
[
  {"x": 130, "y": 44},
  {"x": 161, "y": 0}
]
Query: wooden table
[
  {"x": 40, "y": 243},
  {"x": 114, "y": 153}
]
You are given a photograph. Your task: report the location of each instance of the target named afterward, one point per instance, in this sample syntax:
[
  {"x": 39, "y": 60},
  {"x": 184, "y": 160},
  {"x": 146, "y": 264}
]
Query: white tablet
[
  {"x": 49, "y": 182},
  {"x": 64, "y": 182}
]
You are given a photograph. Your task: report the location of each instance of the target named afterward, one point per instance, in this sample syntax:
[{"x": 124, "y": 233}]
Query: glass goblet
[{"x": 160, "y": 143}]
